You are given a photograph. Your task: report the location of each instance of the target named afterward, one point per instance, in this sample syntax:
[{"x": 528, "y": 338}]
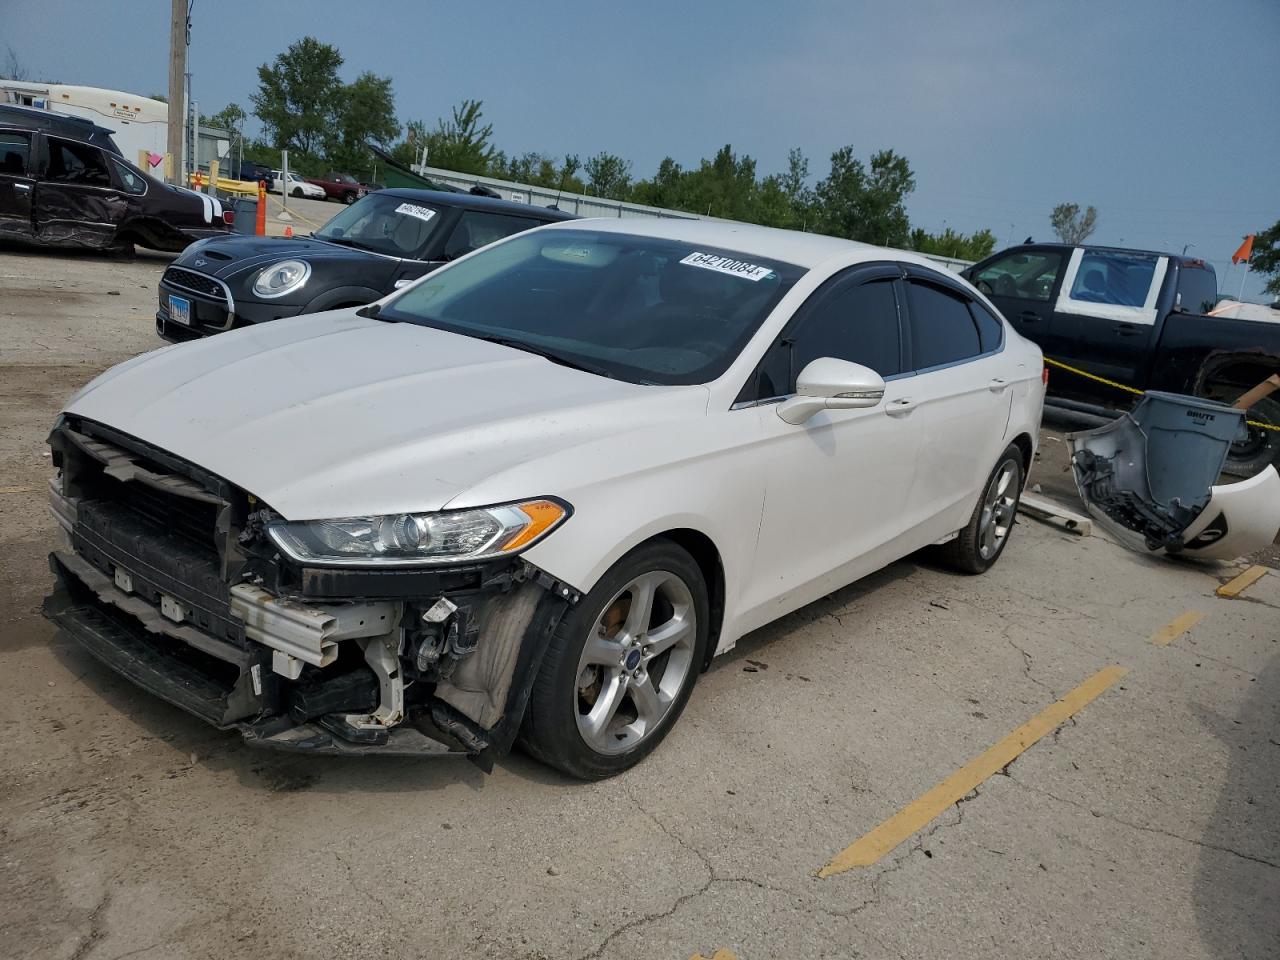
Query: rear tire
[
  {"x": 1262, "y": 447},
  {"x": 987, "y": 533},
  {"x": 596, "y": 712},
  {"x": 348, "y": 198}
]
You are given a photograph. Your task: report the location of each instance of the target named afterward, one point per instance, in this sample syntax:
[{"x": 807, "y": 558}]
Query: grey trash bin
[{"x": 246, "y": 209}]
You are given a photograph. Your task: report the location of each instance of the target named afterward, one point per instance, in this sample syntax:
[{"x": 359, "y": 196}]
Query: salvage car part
[{"x": 1150, "y": 478}]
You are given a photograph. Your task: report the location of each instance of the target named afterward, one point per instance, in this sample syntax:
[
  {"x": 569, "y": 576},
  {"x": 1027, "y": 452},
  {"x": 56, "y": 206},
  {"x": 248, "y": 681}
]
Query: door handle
[
  {"x": 1126, "y": 329},
  {"x": 24, "y": 187},
  {"x": 402, "y": 282},
  {"x": 900, "y": 407},
  {"x": 1026, "y": 316},
  {"x": 997, "y": 384}
]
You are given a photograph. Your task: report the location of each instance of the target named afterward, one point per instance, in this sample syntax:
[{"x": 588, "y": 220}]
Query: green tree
[
  {"x": 951, "y": 243},
  {"x": 365, "y": 112},
  {"x": 608, "y": 175},
  {"x": 867, "y": 205},
  {"x": 230, "y": 118},
  {"x": 299, "y": 96},
  {"x": 1071, "y": 225},
  {"x": 1266, "y": 257},
  {"x": 462, "y": 143}
]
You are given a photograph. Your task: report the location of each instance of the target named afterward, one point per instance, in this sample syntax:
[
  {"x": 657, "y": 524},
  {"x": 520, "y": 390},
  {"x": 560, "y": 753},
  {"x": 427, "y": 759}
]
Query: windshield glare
[
  {"x": 384, "y": 224},
  {"x": 641, "y": 309}
]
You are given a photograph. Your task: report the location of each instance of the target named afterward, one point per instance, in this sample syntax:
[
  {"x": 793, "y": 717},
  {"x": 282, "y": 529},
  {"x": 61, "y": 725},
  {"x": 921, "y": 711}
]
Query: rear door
[
  {"x": 17, "y": 185},
  {"x": 1105, "y": 314},
  {"x": 961, "y": 388},
  {"x": 77, "y": 201},
  {"x": 1023, "y": 284}
]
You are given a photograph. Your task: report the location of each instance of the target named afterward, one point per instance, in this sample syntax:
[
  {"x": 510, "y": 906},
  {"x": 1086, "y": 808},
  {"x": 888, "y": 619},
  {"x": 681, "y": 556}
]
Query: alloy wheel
[
  {"x": 999, "y": 505},
  {"x": 637, "y": 658}
]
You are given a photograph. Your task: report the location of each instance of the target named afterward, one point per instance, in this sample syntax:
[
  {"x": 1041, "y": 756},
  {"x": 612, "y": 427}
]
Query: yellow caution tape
[{"x": 1127, "y": 389}]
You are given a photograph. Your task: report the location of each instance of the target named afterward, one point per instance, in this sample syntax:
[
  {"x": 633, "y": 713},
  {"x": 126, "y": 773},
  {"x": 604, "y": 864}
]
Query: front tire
[
  {"x": 987, "y": 533},
  {"x": 297, "y": 192},
  {"x": 348, "y": 198},
  {"x": 621, "y": 665}
]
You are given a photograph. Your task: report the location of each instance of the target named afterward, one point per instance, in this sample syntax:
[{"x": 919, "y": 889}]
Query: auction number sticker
[
  {"x": 735, "y": 268},
  {"x": 413, "y": 210}
]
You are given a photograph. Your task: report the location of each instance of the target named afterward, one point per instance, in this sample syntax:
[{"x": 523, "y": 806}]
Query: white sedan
[
  {"x": 297, "y": 186},
  {"x": 534, "y": 493}
]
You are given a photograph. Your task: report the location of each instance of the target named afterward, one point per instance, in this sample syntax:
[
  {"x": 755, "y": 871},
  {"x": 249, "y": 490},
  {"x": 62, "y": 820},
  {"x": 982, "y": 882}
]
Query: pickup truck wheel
[
  {"x": 985, "y": 536},
  {"x": 1260, "y": 447},
  {"x": 621, "y": 665}
]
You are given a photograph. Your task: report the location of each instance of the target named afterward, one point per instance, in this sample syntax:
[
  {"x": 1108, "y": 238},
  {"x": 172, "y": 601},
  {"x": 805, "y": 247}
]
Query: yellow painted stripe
[
  {"x": 721, "y": 954},
  {"x": 18, "y": 489},
  {"x": 912, "y": 818},
  {"x": 1176, "y": 627},
  {"x": 1236, "y": 586}
]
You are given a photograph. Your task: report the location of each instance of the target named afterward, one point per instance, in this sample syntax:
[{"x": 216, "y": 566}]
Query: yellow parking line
[
  {"x": 1236, "y": 586},
  {"x": 1176, "y": 627},
  {"x": 18, "y": 489},
  {"x": 912, "y": 818},
  {"x": 721, "y": 954}
]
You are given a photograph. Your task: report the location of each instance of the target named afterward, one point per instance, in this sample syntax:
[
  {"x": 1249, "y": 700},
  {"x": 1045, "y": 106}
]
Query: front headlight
[
  {"x": 281, "y": 278},
  {"x": 412, "y": 539}
]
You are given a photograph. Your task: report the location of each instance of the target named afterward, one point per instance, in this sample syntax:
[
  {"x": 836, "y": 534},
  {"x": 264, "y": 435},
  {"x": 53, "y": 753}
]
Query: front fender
[{"x": 342, "y": 296}]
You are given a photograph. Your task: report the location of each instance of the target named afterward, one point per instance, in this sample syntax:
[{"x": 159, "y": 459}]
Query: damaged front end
[
  {"x": 166, "y": 575},
  {"x": 1150, "y": 478}
]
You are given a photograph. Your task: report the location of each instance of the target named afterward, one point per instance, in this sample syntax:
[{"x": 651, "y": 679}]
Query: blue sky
[{"x": 1164, "y": 114}]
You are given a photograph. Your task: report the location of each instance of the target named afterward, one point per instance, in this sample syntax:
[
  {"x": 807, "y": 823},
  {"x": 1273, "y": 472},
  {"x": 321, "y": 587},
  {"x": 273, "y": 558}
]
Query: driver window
[
  {"x": 71, "y": 162},
  {"x": 1028, "y": 275}
]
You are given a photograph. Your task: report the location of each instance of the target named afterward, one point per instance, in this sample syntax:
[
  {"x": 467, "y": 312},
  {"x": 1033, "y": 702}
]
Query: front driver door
[
  {"x": 16, "y": 184},
  {"x": 836, "y": 485}
]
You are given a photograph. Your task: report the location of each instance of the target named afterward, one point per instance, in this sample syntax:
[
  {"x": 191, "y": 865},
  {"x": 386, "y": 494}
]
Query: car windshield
[
  {"x": 641, "y": 309},
  {"x": 385, "y": 224}
]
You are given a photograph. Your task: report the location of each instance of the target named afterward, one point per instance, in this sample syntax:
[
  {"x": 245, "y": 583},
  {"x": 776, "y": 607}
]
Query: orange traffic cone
[{"x": 288, "y": 231}]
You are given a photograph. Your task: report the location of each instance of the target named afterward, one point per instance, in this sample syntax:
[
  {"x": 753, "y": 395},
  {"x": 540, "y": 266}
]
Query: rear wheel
[
  {"x": 621, "y": 666},
  {"x": 1260, "y": 447},
  {"x": 348, "y": 198},
  {"x": 985, "y": 536}
]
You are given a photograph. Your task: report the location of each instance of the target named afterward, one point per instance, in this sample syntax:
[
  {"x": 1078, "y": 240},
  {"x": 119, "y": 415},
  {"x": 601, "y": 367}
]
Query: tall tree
[
  {"x": 299, "y": 95},
  {"x": 230, "y": 118},
  {"x": 365, "y": 112},
  {"x": 1071, "y": 225},
  {"x": 608, "y": 175},
  {"x": 866, "y": 205},
  {"x": 952, "y": 243},
  {"x": 1266, "y": 257},
  {"x": 462, "y": 143}
]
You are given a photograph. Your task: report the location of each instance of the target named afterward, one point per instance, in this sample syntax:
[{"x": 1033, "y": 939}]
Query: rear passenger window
[
  {"x": 71, "y": 162},
  {"x": 476, "y": 229},
  {"x": 942, "y": 328},
  {"x": 1197, "y": 288},
  {"x": 990, "y": 329}
]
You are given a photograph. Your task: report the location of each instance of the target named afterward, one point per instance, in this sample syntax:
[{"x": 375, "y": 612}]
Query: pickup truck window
[
  {"x": 942, "y": 328},
  {"x": 1029, "y": 275},
  {"x": 1197, "y": 289},
  {"x": 1117, "y": 278}
]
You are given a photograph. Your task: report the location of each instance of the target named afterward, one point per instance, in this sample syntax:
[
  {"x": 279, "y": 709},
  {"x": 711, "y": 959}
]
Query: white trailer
[{"x": 137, "y": 123}]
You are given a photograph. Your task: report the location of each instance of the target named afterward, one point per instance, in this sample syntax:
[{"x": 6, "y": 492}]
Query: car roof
[
  {"x": 1177, "y": 257},
  {"x": 788, "y": 246},
  {"x": 472, "y": 201},
  {"x": 49, "y": 119}
]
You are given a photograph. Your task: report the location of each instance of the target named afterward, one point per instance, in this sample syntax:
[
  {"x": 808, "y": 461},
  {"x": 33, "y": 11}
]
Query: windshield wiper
[
  {"x": 543, "y": 352},
  {"x": 344, "y": 242}
]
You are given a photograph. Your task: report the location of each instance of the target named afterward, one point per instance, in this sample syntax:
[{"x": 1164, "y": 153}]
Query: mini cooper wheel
[
  {"x": 985, "y": 536},
  {"x": 621, "y": 666}
]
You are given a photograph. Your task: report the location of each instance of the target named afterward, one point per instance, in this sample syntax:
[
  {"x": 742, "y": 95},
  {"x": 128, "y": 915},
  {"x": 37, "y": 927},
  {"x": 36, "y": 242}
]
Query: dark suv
[{"x": 379, "y": 243}]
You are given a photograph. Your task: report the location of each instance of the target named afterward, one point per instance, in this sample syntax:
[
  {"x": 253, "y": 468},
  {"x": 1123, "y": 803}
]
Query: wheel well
[
  {"x": 1227, "y": 376},
  {"x": 699, "y": 546},
  {"x": 1025, "y": 447}
]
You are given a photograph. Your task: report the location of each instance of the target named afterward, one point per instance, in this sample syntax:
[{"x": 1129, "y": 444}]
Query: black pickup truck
[{"x": 1138, "y": 318}]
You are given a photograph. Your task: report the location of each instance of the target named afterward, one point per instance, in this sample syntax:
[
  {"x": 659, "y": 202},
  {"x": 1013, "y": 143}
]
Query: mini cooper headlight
[
  {"x": 412, "y": 539},
  {"x": 281, "y": 278}
]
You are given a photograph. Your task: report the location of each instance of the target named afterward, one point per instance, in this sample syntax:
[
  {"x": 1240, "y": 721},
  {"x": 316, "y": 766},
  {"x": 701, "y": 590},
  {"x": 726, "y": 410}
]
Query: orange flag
[{"x": 1245, "y": 251}]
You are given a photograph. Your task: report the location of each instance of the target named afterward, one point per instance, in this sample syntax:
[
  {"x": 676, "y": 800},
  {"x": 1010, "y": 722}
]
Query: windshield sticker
[
  {"x": 413, "y": 210},
  {"x": 735, "y": 268}
]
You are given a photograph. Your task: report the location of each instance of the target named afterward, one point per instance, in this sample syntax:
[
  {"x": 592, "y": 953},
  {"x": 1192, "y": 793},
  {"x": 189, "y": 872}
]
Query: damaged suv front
[{"x": 337, "y": 636}]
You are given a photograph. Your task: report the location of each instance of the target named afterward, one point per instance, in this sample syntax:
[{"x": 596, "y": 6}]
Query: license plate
[{"x": 180, "y": 310}]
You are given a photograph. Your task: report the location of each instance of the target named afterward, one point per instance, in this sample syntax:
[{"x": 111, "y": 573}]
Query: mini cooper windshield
[
  {"x": 385, "y": 224},
  {"x": 642, "y": 309}
]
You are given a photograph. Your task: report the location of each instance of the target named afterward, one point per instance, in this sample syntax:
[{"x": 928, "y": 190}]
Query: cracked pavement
[{"x": 1149, "y": 826}]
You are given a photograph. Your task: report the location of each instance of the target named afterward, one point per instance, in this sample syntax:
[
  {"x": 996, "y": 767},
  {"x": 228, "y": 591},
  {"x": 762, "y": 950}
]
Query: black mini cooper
[{"x": 377, "y": 244}]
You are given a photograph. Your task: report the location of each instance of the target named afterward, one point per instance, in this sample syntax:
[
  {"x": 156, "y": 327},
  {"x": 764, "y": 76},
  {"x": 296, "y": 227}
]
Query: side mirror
[{"x": 831, "y": 384}]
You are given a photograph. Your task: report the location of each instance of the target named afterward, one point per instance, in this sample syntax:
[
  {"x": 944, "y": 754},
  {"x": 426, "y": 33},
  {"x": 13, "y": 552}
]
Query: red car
[{"x": 340, "y": 186}]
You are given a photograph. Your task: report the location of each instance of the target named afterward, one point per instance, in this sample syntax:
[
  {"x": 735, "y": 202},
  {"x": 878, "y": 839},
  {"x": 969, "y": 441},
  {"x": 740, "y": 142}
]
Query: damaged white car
[{"x": 531, "y": 495}]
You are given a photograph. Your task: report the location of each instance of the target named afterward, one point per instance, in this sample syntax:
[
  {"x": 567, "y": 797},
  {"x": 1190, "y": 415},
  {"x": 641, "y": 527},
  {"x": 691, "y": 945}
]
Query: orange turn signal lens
[{"x": 542, "y": 514}]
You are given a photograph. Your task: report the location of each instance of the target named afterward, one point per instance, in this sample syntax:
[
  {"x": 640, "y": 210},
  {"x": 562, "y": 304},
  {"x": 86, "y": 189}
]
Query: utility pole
[{"x": 179, "y": 35}]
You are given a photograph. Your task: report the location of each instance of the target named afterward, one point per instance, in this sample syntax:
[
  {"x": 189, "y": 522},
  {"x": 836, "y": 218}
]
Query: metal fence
[{"x": 583, "y": 205}]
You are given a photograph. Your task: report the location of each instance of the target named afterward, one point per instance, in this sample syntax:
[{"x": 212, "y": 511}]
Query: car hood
[
  {"x": 237, "y": 256},
  {"x": 334, "y": 414}
]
